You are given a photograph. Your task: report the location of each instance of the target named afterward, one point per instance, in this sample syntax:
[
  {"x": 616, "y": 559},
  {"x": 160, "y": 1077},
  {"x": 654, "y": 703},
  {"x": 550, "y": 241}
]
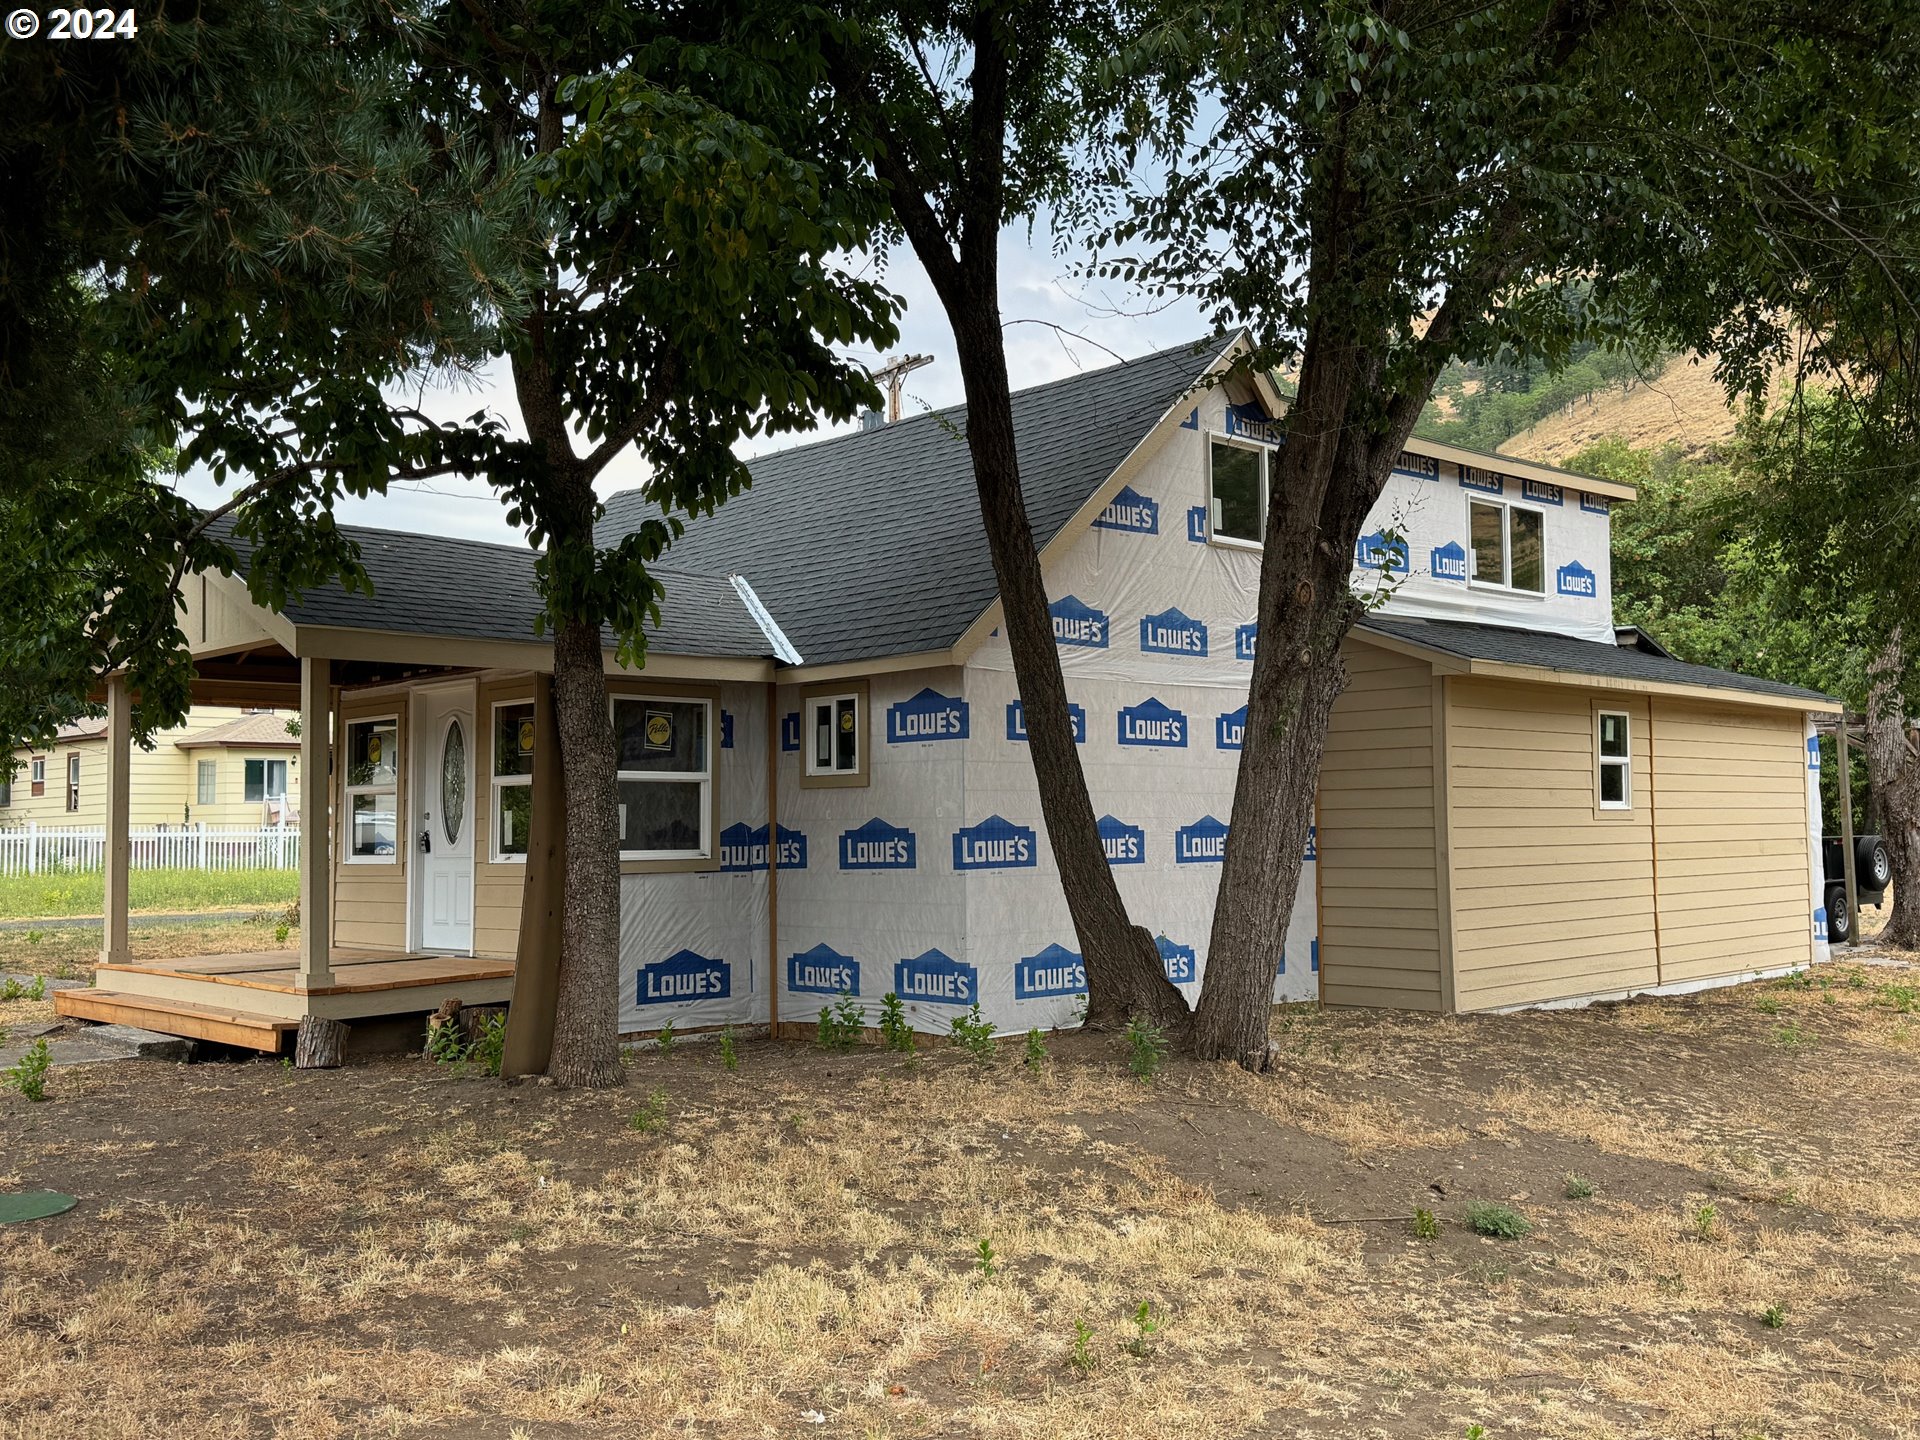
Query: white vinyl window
[
  {"x": 664, "y": 777},
  {"x": 205, "y": 773},
  {"x": 833, "y": 734},
  {"x": 264, "y": 780},
  {"x": 372, "y": 775},
  {"x": 39, "y": 769},
  {"x": 73, "y": 782},
  {"x": 1508, "y": 546},
  {"x": 1615, "y": 753},
  {"x": 512, "y": 779},
  {"x": 1236, "y": 492}
]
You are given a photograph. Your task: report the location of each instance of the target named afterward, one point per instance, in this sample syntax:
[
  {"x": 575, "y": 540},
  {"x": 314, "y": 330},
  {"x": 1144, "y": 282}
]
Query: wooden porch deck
[{"x": 251, "y": 998}]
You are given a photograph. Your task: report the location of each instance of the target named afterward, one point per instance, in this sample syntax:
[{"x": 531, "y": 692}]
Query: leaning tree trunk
[
  {"x": 1893, "y": 766},
  {"x": 1125, "y": 975}
]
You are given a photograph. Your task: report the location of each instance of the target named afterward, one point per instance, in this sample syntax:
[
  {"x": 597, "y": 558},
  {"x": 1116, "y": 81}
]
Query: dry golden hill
[{"x": 1684, "y": 405}]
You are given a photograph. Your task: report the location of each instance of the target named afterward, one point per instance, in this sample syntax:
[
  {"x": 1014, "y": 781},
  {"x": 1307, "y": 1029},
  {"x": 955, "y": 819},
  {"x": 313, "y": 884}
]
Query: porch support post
[
  {"x": 113, "y": 934},
  {"x": 316, "y": 836}
]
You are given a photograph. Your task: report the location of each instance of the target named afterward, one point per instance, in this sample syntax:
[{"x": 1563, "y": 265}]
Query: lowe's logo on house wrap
[
  {"x": 1179, "y": 961},
  {"x": 1250, "y": 422},
  {"x": 1573, "y": 578},
  {"x": 1172, "y": 632},
  {"x": 1056, "y": 970},
  {"x": 995, "y": 843},
  {"x": 1017, "y": 721},
  {"x": 1077, "y": 623},
  {"x": 1311, "y": 854},
  {"x": 1151, "y": 723},
  {"x": 1380, "y": 551},
  {"x": 1132, "y": 511},
  {"x": 1448, "y": 562},
  {"x": 1472, "y": 477},
  {"x": 1197, "y": 524},
  {"x": 790, "y": 731},
  {"x": 1230, "y": 729},
  {"x": 1417, "y": 467},
  {"x": 1244, "y": 638},
  {"x": 1543, "y": 492},
  {"x": 1820, "y": 923},
  {"x": 683, "y": 975},
  {"x": 743, "y": 849},
  {"x": 823, "y": 971},
  {"x": 927, "y": 716},
  {"x": 1595, "y": 504},
  {"x": 877, "y": 845},
  {"x": 1125, "y": 844},
  {"x": 1202, "y": 843},
  {"x": 1813, "y": 752},
  {"x": 936, "y": 977}
]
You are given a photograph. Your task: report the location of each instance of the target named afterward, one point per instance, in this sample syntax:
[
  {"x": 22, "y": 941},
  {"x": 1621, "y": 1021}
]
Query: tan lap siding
[
  {"x": 1732, "y": 797},
  {"x": 1551, "y": 899},
  {"x": 370, "y": 898},
  {"x": 1379, "y": 895}
]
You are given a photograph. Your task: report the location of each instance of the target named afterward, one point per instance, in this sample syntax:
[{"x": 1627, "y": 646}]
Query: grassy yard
[
  {"x": 31, "y": 897},
  {"x": 1720, "y": 1197}
]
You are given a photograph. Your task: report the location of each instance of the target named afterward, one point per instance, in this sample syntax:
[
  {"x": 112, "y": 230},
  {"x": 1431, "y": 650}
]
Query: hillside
[{"x": 1684, "y": 406}]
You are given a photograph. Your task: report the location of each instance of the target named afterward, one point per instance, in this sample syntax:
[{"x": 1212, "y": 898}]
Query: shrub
[
  {"x": 1498, "y": 1222},
  {"x": 1036, "y": 1057},
  {"x": 973, "y": 1033},
  {"x": 1146, "y": 1048},
  {"x": 895, "y": 1032},
  {"x": 841, "y": 1025},
  {"x": 28, "y": 1074}
]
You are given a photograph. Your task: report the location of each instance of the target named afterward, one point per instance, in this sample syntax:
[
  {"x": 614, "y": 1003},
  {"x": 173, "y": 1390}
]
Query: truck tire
[
  {"x": 1839, "y": 921},
  {"x": 1871, "y": 868}
]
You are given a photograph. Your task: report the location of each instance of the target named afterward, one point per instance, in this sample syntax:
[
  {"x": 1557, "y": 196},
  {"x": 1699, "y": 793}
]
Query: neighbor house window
[
  {"x": 6, "y": 793},
  {"x": 1237, "y": 493},
  {"x": 266, "y": 780},
  {"x": 373, "y": 789},
  {"x": 39, "y": 773},
  {"x": 1616, "y": 761},
  {"x": 664, "y": 777},
  {"x": 73, "y": 782},
  {"x": 512, "y": 779},
  {"x": 203, "y": 775},
  {"x": 1509, "y": 546}
]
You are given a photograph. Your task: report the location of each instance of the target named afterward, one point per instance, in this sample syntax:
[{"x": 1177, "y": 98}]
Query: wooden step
[{"x": 175, "y": 1017}]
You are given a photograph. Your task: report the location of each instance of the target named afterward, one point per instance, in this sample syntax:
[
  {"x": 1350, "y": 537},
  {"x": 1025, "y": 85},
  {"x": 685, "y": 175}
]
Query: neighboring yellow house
[{"x": 221, "y": 766}]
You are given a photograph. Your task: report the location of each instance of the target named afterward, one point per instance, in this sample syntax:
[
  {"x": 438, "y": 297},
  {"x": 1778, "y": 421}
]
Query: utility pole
[{"x": 893, "y": 374}]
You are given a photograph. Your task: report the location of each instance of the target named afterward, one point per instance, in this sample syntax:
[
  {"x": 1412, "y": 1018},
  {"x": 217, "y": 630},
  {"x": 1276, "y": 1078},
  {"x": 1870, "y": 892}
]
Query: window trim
[
  {"x": 348, "y": 792},
  {"x": 861, "y": 693},
  {"x": 206, "y": 782},
  {"x": 1505, "y": 586},
  {"x": 659, "y": 862},
  {"x": 1265, "y": 452},
  {"x": 497, "y": 782},
  {"x": 1603, "y": 808}
]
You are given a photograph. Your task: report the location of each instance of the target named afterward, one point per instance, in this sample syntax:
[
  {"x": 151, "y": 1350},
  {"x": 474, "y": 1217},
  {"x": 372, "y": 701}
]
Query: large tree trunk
[
  {"x": 1125, "y": 975},
  {"x": 586, "y": 1028},
  {"x": 1893, "y": 765}
]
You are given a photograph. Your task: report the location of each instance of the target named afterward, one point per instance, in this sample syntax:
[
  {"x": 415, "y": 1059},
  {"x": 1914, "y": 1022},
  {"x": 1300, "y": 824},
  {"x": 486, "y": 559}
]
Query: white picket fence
[{"x": 35, "y": 849}]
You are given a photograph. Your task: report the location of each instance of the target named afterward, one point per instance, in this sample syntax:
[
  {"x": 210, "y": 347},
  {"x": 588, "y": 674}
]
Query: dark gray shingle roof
[
  {"x": 437, "y": 585},
  {"x": 870, "y": 544},
  {"x": 1506, "y": 646}
]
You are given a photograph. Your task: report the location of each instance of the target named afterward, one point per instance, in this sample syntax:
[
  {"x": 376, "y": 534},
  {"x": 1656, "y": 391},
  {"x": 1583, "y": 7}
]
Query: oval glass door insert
[{"x": 453, "y": 781}]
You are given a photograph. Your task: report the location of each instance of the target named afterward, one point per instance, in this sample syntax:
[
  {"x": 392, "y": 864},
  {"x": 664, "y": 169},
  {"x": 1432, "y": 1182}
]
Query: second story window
[
  {"x": 1509, "y": 546},
  {"x": 1237, "y": 493}
]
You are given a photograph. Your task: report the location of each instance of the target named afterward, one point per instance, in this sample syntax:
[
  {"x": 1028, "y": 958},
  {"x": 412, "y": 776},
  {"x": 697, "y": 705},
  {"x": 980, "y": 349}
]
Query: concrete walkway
[{"x": 76, "y": 1042}]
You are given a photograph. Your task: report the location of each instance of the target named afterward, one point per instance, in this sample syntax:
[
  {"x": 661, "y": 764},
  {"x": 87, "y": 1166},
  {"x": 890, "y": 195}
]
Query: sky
[{"x": 1057, "y": 324}]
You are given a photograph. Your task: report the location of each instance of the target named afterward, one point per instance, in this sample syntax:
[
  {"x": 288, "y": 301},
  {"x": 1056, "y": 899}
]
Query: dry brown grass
[
  {"x": 71, "y": 951},
  {"x": 390, "y": 1250}
]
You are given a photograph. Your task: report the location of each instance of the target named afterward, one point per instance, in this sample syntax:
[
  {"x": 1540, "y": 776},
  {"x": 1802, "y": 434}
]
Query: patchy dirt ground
[{"x": 795, "y": 1248}]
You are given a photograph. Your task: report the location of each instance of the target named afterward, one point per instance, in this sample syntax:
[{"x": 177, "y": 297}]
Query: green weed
[
  {"x": 1774, "y": 1316},
  {"x": 985, "y": 1260},
  {"x": 1081, "y": 1356},
  {"x": 1146, "y": 1048},
  {"x": 1145, "y": 1325},
  {"x": 1035, "y": 1058},
  {"x": 895, "y": 1032},
  {"x": 1706, "y": 1222},
  {"x": 973, "y": 1033},
  {"x": 1497, "y": 1221},
  {"x": 665, "y": 1041},
  {"x": 841, "y": 1025},
  {"x": 729, "y": 1052},
  {"x": 1579, "y": 1188},
  {"x": 13, "y": 989},
  {"x": 1767, "y": 1005},
  {"x": 1425, "y": 1225},
  {"x": 650, "y": 1118},
  {"x": 28, "y": 1074}
]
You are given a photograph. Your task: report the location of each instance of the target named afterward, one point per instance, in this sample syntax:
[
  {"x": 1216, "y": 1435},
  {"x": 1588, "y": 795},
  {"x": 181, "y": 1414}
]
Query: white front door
[{"x": 444, "y": 751}]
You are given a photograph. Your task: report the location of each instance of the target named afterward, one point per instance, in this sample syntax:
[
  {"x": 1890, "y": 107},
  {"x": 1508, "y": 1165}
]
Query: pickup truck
[{"x": 1872, "y": 873}]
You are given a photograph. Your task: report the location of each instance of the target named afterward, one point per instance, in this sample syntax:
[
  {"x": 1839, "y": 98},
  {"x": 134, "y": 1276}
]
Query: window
[
  {"x": 203, "y": 774},
  {"x": 266, "y": 780},
  {"x": 833, "y": 722},
  {"x": 373, "y": 790},
  {"x": 664, "y": 777},
  {"x": 1616, "y": 761},
  {"x": 1237, "y": 493},
  {"x": 39, "y": 774},
  {"x": 73, "y": 782},
  {"x": 512, "y": 779},
  {"x": 6, "y": 793},
  {"x": 1509, "y": 546}
]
